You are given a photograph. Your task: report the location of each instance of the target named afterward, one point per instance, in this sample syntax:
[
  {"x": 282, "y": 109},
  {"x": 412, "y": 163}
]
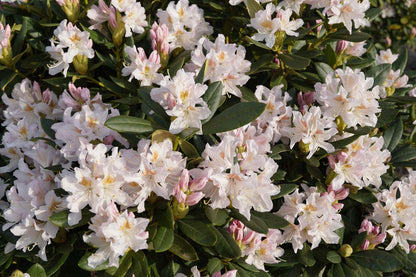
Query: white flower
[
  {"x": 182, "y": 99},
  {"x": 347, "y": 94},
  {"x": 285, "y": 24},
  {"x": 134, "y": 19},
  {"x": 225, "y": 62},
  {"x": 291, "y": 4},
  {"x": 141, "y": 68},
  {"x": 70, "y": 43},
  {"x": 266, "y": 26},
  {"x": 347, "y": 11},
  {"x": 313, "y": 130},
  {"x": 386, "y": 56},
  {"x": 186, "y": 24}
]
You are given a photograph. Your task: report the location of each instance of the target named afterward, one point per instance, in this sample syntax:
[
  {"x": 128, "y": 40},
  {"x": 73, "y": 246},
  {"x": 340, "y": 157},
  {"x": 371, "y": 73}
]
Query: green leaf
[
  {"x": 294, "y": 61},
  {"x": 359, "y": 62},
  {"x": 401, "y": 61},
  {"x": 46, "y": 126},
  {"x": 58, "y": 82},
  {"x": 36, "y": 270},
  {"x": 55, "y": 264},
  {"x": 83, "y": 264},
  {"x": 276, "y": 150},
  {"x": 358, "y": 239},
  {"x": 253, "y": 7},
  {"x": 379, "y": 73},
  {"x": 255, "y": 223},
  {"x": 377, "y": 260},
  {"x": 178, "y": 62},
  {"x": 197, "y": 231},
  {"x": 403, "y": 154},
  {"x": 285, "y": 189},
  {"x": 216, "y": 216},
  {"x": 323, "y": 70},
  {"x": 163, "y": 239},
  {"x": 353, "y": 37},
  {"x": 201, "y": 74},
  {"x": 98, "y": 38},
  {"x": 392, "y": 135},
  {"x": 305, "y": 256},
  {"x": 337, "y": 271},
  {"x": 363, "y": 196},
  {"x": 234, "y": 117},
  {"x": 212, "y": 97},
  {"x": 188, "y": 149},
  {"x": 387, "y": 115},
  {"x": 256, "y": 43},
  {"x": 183, "y": 249},
  {"x": 214, "y": 265},
  {"x": 124, "y": 265},
  {"x": 348, "y": 271},
  {"x": 164, "y": 217},
  {"x": 6, "y": 77},
  {"x": 226, "y": 246},
  {"x": 333, "y": 257},
  {"x": 331, "y": 56},
  {"x": 263, "y": 63},
  {"x": 401, "y": 99},
  {"x": 248, "y": 95},
  {"x": 20, "y": 38},
  {"x": 129, "y": 124},
  {"x": 372, "y": 13},
  {"x": 344, "y": 142},
  {"x": 273, "y": 221},
  {"x": 140, "y": 266},
  {"x": 144, "y": 93},
  {"x": 61, "y": 219}
]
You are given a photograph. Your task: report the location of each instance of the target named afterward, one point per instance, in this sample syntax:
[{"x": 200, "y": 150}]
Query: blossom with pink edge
[
  {"x": 4, "y": 37},
  {"x": 373, "y": 238}
]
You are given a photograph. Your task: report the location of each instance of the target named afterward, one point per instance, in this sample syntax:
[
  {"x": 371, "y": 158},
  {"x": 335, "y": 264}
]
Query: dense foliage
[{"x": 240, "y": 138}]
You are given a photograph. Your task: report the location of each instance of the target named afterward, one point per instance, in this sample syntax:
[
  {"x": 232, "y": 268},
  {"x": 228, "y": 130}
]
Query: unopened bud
[
  {"x": 341, "y": 46},
  {"x": 80, "y": 63},
  {"x": 340, "y": 123},
  {"x": 119, "y": 31},
  {"x": 345, "y": 250},
  {"x": 180, "y": 210},
  {"x": 17, "y": 273},
  {"x": 303, "y": 147}
]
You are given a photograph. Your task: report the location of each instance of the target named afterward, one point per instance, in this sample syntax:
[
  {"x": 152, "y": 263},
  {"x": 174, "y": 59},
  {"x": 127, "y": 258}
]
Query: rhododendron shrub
[{"x": 204, "y": 138}]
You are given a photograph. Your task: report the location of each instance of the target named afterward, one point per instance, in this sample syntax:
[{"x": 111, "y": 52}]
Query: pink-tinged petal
[
  {"x": 341, "y": 46},
  {"x": 154, "y": 57},
  {"x": 199, "y": 184},
  {"x": 331, "y": 160},
  {"x": 338, "y": 206},
  {"x": 365, "y": 244},
  {"x": 180, "y": 196},
  {"x": 194, "y": 198},
  {"x": 379, "y": 239},
  {"x": 231, "y": 273}
]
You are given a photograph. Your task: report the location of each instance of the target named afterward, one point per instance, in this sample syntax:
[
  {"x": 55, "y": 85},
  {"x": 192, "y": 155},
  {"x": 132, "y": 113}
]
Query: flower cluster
[
  {"x": 395, "y": 211},
  {"x": 257, "y": 249},
  {"x": 312, "y": 217},
  {"x": 361, "y": 165}
]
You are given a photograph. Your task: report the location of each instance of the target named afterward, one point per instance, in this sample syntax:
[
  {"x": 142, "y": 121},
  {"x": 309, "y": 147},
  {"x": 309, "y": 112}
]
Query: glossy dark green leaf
[
  {"x": 305, "y": 256},
  {"x": 58, "y": 81},
  {"x": 344, "y": 142},
  {"x": 256, "y": 43},
  {"x": 197, "y": 231},
  {"x": 401, "y": 99},
  {"x": 358, "y": 239},
  {"x": 387, "y": 115},
  {"x": 21, "y": 35},
  {"x": 144, "y": 93},
  {"x": 61, "y": 219},
  {"x": 98, "y": 38},
  {"x": 216, "y": 216},
  {"x": 294, "y": 61},
  {"x": 403, "y": 154},
  {"x": 363, "y": 196},
  {"x": 178, "y": 62},
  {"x": 226, "y": 246},
  {"x": 333, "y": 257},
  {"x": 377, "y": 260},
  {"x": 123, "y": 267},
  {"x": 331, "y": 56},
  {"x": 213, "y": 97},
  {"x": 164, "y": 217},
  {"x": 285, "y": 189},
  {"x": 55, "y": 264},
  {"x": 46, "y": 126},
  {"x": 183, "y": 249},
  {"x": 199, "y": 79},
  {"x": 188, "y": 149},
  {"x": 337, "y": 271},
  {"x": 255, "y": 223},
  {"x": 273, "y": 221},
  {"x": 163, "y": 239},
  {"x": 248, "y": 95},
  {"x": 323, "y": 70},
  {"x": 140, "y": 266},
  {"x": 37, "y": 270},
  {"x": 372, "y": 13},
  {"x": 263, "y": 63},
  {"x": 349, "y": 272},
  {"x": 379, "y": 73},
  {"x": 344, "y": 34},
  {"x": 401, "y": 62},
  {"x": 214, "y": 265},
  {"x": 234, "y": 117},
  {"x": 360, "y": 62},
  {"x": 129, "y": 124},
  {"x": 253, "y": 7},
  {"x": 392, "y": 135}
]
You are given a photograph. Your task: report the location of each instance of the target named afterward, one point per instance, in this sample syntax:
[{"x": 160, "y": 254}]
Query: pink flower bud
[
  {"x": 248, "y": 237},
  {"x": 46, "y": 96},
  {"x": 141, "y": 54},
  {"x": 413, "y": 32},
  {"x": 279, "y": 14},
  {"x": 331, "y": 160},
  {"x": 108, "y": 140},
  {"x": 318, "y": 29},
  {"x": 198, "y": 184},
  {"x": 338, "y": 206},
  {"x": 113, "y": 18},
  {"x": 37, "y": 92},
  {"x": 412, "y": 247},
  {"x": 305, "y": 99},
  {"x": 388, "y": 41},
  {"x": 159, "y": 37},
  {"x": 154, "y": 57},
  {"x": 276, "y": 60},
  {"x": 194, "y": 198},
  {"x": 180, "y": 196},
  {"x": 342, "y": 156},
  {"x": 236, "y": 229},
  {"x": 341, "y": 46},
  {"x": 365, "y": 244},
  {"x": 366, "y": 226},
  {"x": 379, "y": 239}
]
